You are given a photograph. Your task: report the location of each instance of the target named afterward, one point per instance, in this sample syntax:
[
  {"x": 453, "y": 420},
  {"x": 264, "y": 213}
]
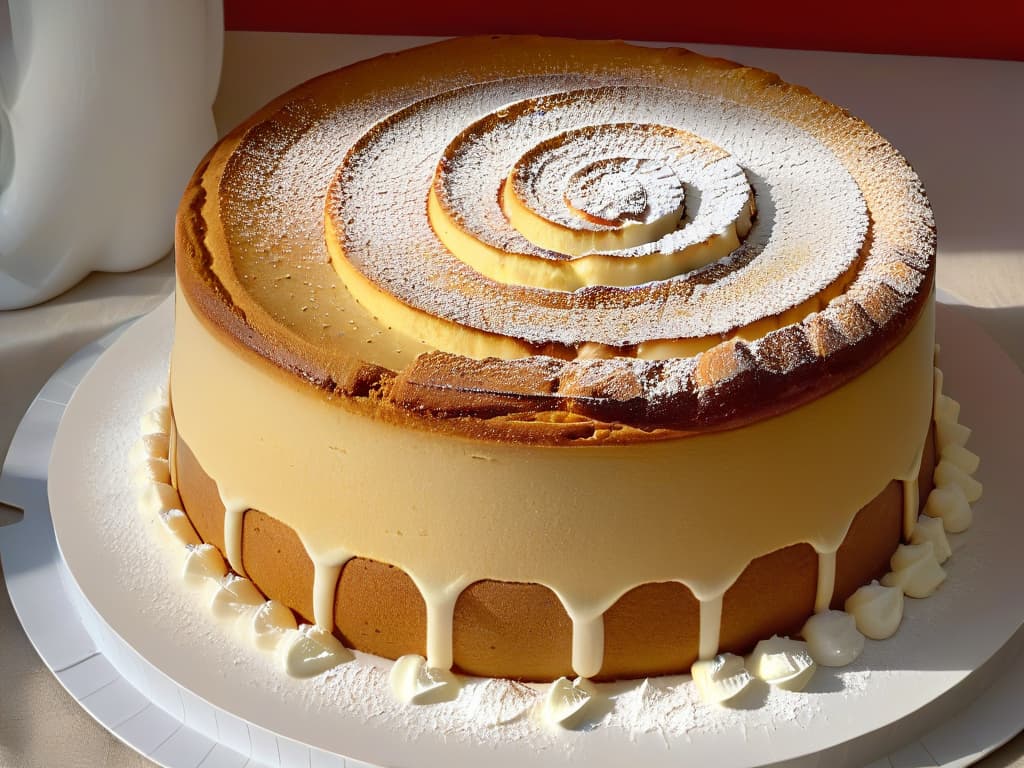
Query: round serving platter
[{"x": 109, "y": 616}]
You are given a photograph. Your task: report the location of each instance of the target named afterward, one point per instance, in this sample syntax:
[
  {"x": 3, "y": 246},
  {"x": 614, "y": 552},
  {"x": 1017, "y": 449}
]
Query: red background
[{"x": 983, "y": 29}]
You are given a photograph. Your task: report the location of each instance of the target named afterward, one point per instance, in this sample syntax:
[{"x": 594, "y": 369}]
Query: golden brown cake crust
[{"x": 543, "y": 399}]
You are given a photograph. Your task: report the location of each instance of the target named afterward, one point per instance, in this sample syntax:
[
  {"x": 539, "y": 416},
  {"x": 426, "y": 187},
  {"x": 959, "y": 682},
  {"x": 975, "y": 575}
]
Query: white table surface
[{"x": 959, "y": 122}]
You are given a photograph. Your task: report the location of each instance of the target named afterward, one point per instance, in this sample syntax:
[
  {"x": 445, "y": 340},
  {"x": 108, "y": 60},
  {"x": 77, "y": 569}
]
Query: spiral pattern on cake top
[
  {"x": 505, "y": 251},
  {"x": 707, "y": 232}
]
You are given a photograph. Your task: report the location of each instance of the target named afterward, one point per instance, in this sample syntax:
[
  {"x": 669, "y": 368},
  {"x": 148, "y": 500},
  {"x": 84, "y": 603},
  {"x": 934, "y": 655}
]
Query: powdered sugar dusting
[{"x": 809, "y": 232}]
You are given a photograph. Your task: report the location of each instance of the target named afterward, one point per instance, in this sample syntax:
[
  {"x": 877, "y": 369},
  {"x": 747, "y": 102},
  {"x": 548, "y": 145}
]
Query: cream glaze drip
[
  {"x": 826, "y": 581},
  {"x": 587, "y": 645},
  {"x": 710, "y": 626},
  {"x": 234, "y": 515},
  {"x": 414, "y": 522},
  {"x": 911, "y": 497},
  {"x": 325, "y": 584},
  {"x": 440, "y": 602}
]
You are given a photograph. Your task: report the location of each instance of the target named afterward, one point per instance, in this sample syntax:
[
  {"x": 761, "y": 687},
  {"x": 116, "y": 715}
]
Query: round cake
[{"x": 540, "y": 357}]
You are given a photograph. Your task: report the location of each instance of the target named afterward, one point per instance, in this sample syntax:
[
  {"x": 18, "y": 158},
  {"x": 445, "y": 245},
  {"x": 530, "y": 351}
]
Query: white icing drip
[
  {"x": 440, "y": 602},
  {"x": 587, "y": 644},
  {"x": 912, "y": 494},
  {"x": 710, "y": 627},
  {"x": 234, "y": 515},
  {"x": 826, "y": 581},
  {"x": 325, "y": 584}
]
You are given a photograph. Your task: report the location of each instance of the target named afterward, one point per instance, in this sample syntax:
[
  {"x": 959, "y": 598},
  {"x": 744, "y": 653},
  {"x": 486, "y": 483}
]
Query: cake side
[{"x": 450, "y": 510}]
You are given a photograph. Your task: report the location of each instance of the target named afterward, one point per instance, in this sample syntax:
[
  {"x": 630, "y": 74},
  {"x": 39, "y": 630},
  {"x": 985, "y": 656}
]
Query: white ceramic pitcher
[{"x": 105, "y": 109}]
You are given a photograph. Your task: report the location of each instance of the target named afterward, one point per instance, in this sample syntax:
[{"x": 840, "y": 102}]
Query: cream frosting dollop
[
  {"x": 309, "y": 651},
  {"x": 949, "y": 433},
  {"x": 876, "y": 609},
  {"x": 571, "y": 704},
  {"x": 959, "y": 456},
  {"x": 157, "y": 420},
  {"x": 949, "y": 505},
  {"x": 234, "y": 596},
  {"x": 945, "y": 407},
  {"x": 932, "y": 529},
  {"x": 833, "y": 638},
  {"x": 156, "y": 497},
  {"x": 414, "y": 682},
  {"x": 203, "y": 563},
  {"x": 270, "y": 624},
  {"x": 177, "y": 525},
  {"x": 915, "y": 570},
  {"x": 152, "y": 445},
  {"x": 721, "y": 679},
  {"x": 153, "y": 470},
  {"x": 782, "y": 663},
  {"x": 948, "y": 474}
]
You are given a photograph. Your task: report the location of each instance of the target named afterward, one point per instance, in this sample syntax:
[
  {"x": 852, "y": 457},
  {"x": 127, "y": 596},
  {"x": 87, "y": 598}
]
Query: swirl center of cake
[
  {"x": 602, "y": 204},
  {"x": 560, "y": 201},
  {"x": 613, "y": 192}
]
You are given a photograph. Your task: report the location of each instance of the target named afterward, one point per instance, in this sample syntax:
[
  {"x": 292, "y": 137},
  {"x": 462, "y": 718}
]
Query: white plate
[{"x": 231, "y": 699}]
